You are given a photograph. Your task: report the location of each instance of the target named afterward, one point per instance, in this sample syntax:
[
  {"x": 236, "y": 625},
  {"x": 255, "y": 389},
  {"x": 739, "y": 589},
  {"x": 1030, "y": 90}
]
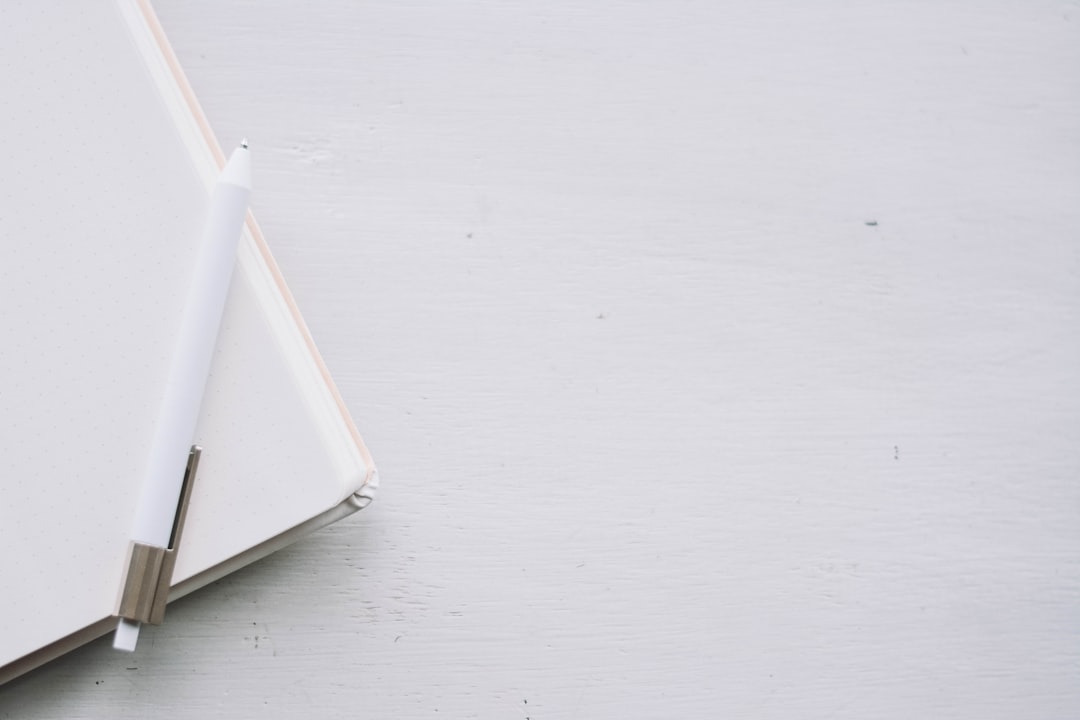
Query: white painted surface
[{"x": 665, "y": 428}]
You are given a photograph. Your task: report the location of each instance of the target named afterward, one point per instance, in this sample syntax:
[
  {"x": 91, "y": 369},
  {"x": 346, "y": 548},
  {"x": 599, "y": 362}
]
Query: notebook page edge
[{"x": 204, "y": 145}]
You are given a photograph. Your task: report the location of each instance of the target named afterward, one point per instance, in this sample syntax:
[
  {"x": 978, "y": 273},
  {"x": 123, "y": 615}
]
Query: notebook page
[{"x": 100, "y": 215}]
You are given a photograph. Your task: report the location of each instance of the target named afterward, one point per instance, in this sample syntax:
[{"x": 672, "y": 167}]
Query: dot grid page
[{"x": 100, "y": 215}]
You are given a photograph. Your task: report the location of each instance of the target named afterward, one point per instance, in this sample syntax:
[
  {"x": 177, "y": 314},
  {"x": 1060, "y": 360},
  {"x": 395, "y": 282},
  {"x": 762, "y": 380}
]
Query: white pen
[{"x": 191, "y": 364}]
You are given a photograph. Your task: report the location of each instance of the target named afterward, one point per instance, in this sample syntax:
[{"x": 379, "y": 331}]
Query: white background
[{"x": 667, "y": 426}]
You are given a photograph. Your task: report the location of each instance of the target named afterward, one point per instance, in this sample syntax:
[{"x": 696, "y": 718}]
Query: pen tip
[{"x": 243, "y": 143}]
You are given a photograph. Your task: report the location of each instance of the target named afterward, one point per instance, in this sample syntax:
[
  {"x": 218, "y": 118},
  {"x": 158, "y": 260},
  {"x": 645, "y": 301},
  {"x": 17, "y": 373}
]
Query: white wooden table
[{"x": 720, "y": 360}]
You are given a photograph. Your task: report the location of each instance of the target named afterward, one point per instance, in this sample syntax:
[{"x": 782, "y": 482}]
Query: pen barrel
[{"x": 190, "y": 365}]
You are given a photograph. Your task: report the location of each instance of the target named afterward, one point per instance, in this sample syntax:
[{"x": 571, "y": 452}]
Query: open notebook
[{"x": 107, "y": 163}]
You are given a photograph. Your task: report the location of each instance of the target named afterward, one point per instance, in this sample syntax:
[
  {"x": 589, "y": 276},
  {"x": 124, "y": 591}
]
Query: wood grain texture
[{"x": 667, "y": 425}]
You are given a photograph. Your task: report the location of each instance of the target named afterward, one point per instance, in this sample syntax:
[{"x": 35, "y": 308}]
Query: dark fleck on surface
[{"x": 872, "y": 223}]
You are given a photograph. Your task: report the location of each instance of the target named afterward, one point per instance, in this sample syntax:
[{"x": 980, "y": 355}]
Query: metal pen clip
[{"x": 150, "y": 568}]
